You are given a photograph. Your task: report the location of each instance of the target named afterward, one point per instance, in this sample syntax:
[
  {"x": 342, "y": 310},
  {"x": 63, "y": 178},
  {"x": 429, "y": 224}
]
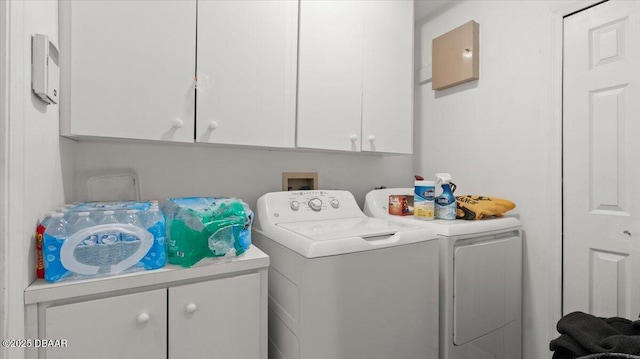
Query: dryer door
[{"x": 487, "y": 286}]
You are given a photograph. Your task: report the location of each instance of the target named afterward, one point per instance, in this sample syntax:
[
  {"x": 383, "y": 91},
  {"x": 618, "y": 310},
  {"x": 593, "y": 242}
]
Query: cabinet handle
[
  {"x": 372, "y": 138},
  {"x": 213, "y": 125},
  {"x": 142, "y": 318},
  {"x": 190, "y": 308},
  {"x": 353, "y": 138},
  {"x": 177, "y": 123}
]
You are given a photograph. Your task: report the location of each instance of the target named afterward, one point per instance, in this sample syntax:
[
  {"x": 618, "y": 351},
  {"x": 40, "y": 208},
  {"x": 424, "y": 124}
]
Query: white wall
[
  {"x": 44, "y": 168},
  {"x": 173, "y": 170},
  {"x": 500, "y": 136},
  {"x": 35, "y": 174},
  {"x": 504, "y": 141}
]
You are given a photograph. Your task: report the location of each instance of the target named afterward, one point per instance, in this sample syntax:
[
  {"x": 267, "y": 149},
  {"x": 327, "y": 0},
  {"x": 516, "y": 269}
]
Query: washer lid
[
  {"x": 345, "y": 227},
  {"x": 313, "y": 239}
]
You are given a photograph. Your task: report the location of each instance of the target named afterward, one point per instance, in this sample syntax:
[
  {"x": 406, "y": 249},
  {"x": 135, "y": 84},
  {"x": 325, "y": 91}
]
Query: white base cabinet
[
  {"x": 215, "y": 319},
  {"x": 214, "y": 310},
  {"x": 126, "y": 326}
]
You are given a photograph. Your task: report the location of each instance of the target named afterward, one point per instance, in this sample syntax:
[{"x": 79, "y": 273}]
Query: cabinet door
[
  {"x": 247, "y": 53},
  {"x": 330, "y": 74},
  {"x": 387, "y": 94},
  {"x": 127, "y": 326},
  {"x": 216, "y": 319},
  {"x": 130, "y": 68}
]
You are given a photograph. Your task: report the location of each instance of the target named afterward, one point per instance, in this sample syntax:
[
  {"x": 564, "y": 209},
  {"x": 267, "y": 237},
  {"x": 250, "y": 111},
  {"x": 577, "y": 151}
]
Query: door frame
[
  {"x": 560, "y": 12},
  {"x": 4, "y": 182},
  {"x": 12, "y": 98}
]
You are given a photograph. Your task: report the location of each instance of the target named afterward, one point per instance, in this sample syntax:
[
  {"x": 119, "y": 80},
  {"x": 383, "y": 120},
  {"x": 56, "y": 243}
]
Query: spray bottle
[{"x": 445, "y": 205}]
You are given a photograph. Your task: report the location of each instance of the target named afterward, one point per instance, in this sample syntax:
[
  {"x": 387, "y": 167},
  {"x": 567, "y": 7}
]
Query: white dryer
[
  {"x": 343, "y": 285},
  {"x": 480, "y": 281}
]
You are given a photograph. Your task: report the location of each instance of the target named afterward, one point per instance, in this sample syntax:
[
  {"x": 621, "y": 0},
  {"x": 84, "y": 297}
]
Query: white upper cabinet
[
  {"x": 127, "y": 69},
  {"x": 387, "y": 80},
  {"x": 330, "y": 74},
  {"x": 247, "y": 53},
  {"x": 355, "y": 75},
  {"x": 321, "y": 74}
]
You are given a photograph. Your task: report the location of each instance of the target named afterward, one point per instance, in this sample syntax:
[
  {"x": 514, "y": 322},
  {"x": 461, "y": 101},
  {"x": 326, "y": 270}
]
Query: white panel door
[
  {"x": 216, "y": 319},
  {"x": 131, "y": 69},
  {"x": 330, "y": 74},
  {"x": 247, "y": 53},
  {"x": 387, "y": 93},
  {"x": 601, "y": 156},
  {"x": 127, "y": 326}
]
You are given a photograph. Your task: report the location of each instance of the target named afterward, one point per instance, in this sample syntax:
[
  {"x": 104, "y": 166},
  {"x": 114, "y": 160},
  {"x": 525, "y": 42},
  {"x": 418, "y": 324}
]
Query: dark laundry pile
[{"x": 584, "y": 334}]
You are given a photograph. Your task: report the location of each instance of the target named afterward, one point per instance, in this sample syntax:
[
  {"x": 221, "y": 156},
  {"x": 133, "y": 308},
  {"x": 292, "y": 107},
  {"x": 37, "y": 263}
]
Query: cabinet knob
[
  {"x": 213, "y": 125},
  {"x": 353, "y": 138},
  {"x": 190, "y": 308},
  {"x": 372, "y": 138},
  {"x": 177, "y": 123},
  {"x": 142, "y": 318}
]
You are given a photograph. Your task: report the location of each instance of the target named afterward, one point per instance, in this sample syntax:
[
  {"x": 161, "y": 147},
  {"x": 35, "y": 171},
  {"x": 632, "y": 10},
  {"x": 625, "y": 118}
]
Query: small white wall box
[
  {"x": 45, "y": 71},
  {"x": 299, "y": 181}
]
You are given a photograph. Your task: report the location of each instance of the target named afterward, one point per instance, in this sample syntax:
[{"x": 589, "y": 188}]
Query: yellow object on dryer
[{"x": 478, "y": 207}]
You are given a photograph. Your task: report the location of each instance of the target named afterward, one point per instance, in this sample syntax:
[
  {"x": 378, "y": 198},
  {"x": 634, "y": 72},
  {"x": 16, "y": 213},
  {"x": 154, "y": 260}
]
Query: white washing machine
[
  {"x": 343, "y": 285},
  {"x": 480, "y": 281}
]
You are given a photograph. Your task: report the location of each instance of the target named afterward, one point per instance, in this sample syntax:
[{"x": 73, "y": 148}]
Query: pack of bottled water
[
  {"x": 95, "y": 239},
  {"x": 200, "y": 227}
]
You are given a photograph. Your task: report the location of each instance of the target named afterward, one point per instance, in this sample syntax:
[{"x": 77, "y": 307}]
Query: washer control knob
[
  {"x": 335, "y": 203},
  {"x": 295, "y": 205},
  {"x": 315, "y": 204}
]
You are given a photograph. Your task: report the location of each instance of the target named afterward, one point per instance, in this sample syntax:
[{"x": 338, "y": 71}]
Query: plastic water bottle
[
  {"x": 133, "y": 219},
  {"x": 145, "y": 216},
  {"x": 58, "y": 227},
  {"x": 44, "y": 223},
  {"x": 69, "y": 216},
  {"x": 154, "y": 223},
  {"x": 109, "y": 238},
  {"x": 84, "y": 221}
]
